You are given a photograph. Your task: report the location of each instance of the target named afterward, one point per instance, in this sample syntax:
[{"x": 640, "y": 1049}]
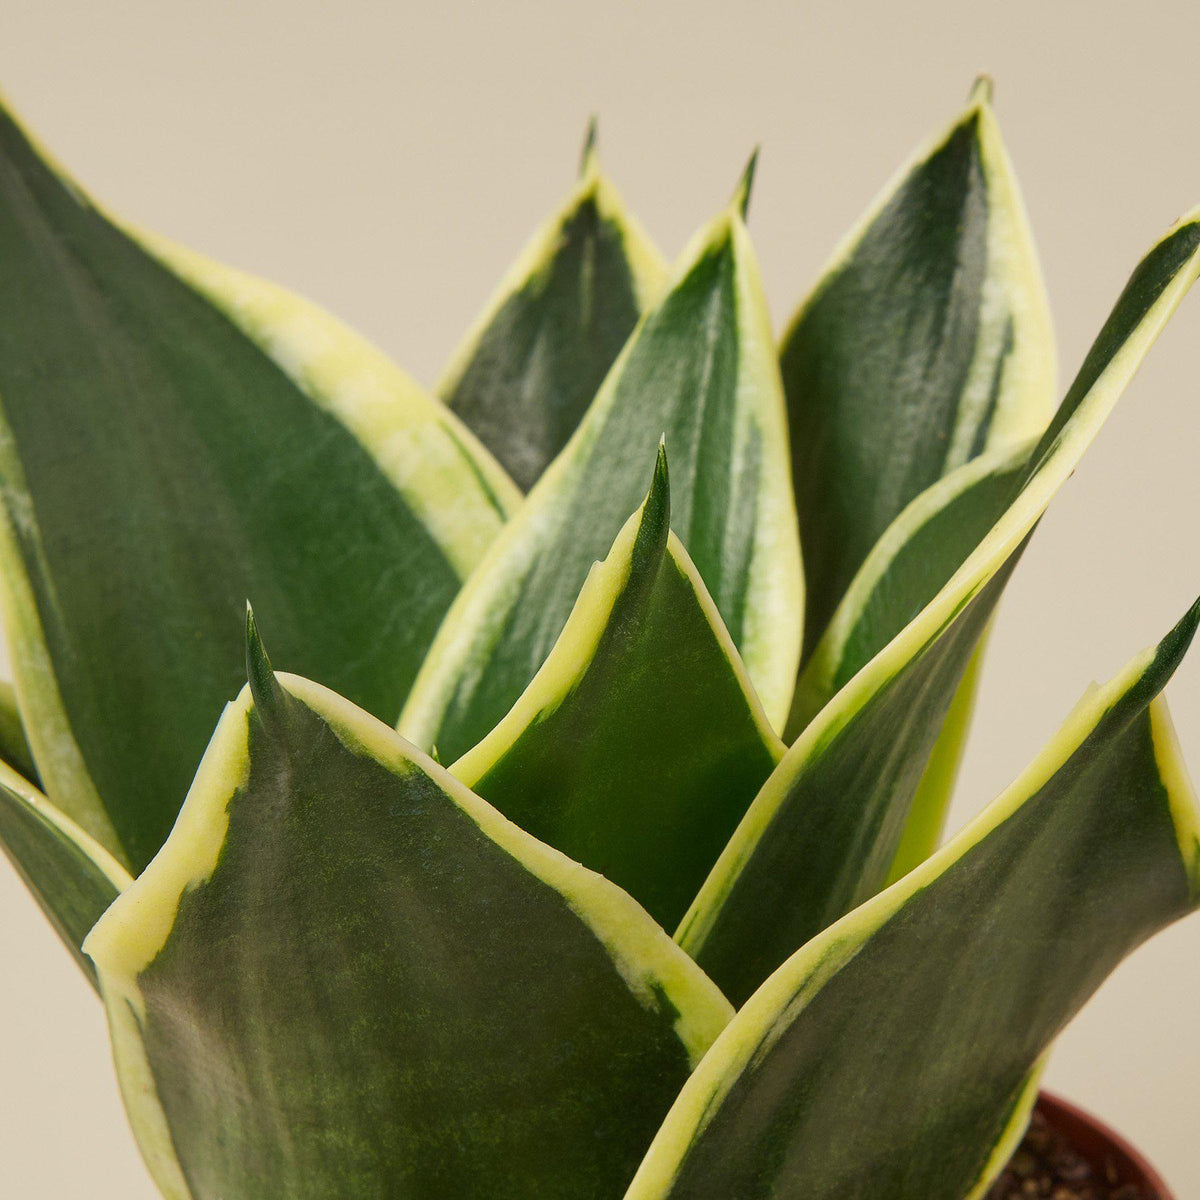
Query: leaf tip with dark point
[
  {"x": 741, "y": 194},
  {"x": 589, "y": 154},
  {"x": 264, "y": 687},
  {"x": 655, "y": 524},
  {"x": 982, "y": 90}
]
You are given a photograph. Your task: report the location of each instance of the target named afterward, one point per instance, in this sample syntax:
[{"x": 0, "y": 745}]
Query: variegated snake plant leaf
[{"x": 589, "y": 845}]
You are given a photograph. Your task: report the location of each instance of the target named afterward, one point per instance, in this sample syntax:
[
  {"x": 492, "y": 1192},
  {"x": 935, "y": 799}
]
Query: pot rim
[{"x": 1080, "y": 1125}]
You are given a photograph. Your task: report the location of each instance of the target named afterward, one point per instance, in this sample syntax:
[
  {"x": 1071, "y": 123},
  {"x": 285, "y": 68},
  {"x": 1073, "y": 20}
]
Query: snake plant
[{"x": 592, "y": 846}]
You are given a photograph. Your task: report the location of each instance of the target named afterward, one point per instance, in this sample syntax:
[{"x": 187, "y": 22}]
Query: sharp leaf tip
[
  {"x": 589, "y": 154},
  {"x": 982, "y": 90},
  {"x": 741, "y": 194},
  {"x": 656, "y": 511},
  {"x": 661, "y": 474},
  {"x": 1173, "y": 648},
  {"x": 264, "y": 687}
]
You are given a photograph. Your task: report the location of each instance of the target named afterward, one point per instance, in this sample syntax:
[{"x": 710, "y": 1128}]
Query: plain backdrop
[{"x": 389, "y": 160}]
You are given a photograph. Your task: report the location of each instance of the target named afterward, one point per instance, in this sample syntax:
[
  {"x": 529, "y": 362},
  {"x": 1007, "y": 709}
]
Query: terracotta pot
[{"x": 1100, "y": 1145}]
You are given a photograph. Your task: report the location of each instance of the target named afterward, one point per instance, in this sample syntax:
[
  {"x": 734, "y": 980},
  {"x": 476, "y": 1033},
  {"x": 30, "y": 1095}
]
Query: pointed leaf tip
[
  {"x": 656, "y": 510},
  {"x": 660, "y": 464},
  {"x": 660, "y": 483},
  {"x": 259, "y": 673},
  {"x": 982, "y": 90},
  {"x": 588, "y": 155},
  {"x": 1176, "y": 644},
  {"x": 741, "y": 194}
]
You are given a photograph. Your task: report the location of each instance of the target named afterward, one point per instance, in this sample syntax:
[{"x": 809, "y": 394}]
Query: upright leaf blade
[
  {"x": 824, "y": 833},
  {"x": 529, "y": 367},
  {"x": 14, "y": 745},
  {"x": 72, "y": 877},
  {"x": 892, "y": 1056},
  {"x": 907, "y": 567},
  {"x": 700, "y": 370},
  {"x": 640, "y": 743},
  {"x": 926, "y": 341},
  {"x": 346, "y": 975},
  {"x": 165, "y": 425}
]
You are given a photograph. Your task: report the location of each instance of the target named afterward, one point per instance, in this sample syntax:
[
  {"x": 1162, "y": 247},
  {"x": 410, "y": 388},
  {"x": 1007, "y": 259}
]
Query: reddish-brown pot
[{"x": 1100, "y": 1145}]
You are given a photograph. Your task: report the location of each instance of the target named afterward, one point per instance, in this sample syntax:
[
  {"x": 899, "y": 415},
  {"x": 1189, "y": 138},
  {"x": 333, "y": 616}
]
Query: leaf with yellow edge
[
  {"x": 701, "y": 370},
  {"x": 824, "y": 833},
  {"x": 175, "y": 436},
  {"x": 640, "y": 743},
  {"x": 72, "y": 877},
  {"x": 529, "y": 367},
  {"x": 925, "y": 343},
  {"x": 897, "y": 1053},
  {"x": 14, "y": 745},
  {"x": 345, "y": 975}
]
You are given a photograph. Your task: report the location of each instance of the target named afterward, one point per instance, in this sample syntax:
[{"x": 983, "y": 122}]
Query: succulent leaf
[
  {"x": 640, "y": 743},
  {"x": 346, "y": 975},
  {"x": 824, "y": 833},
  {"x": 896, "y": 1053},
  {"x": 14, "y": 744},
  {"x": 700, "y": 369},
  {"x": 72, "y": 877},
  {"x": 916, "y": 557},
  {"x": 926, "y": 341},
  {"x": 907, "y": 567},
  {"x": 177, "y": 435},
  {"x": 529, "y": 367}
]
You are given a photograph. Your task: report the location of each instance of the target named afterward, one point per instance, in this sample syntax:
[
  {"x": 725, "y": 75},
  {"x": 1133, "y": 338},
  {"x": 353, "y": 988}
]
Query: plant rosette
[{"x": 588, "y": 842}]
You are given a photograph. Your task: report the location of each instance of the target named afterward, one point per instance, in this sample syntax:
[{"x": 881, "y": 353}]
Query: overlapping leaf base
[{"x": 344, "y": 970}]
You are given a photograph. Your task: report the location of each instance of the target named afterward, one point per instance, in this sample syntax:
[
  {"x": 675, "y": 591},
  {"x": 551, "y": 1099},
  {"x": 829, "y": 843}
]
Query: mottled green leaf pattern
[
  {"x": 639, "y": 745},
  {"x": 926, "y": 341},
  {"x": 700, "y": 370},
  {"x": 71, "y": 876},
  {"x": 176, "y": 436},
  {"x": 892, "y": 1056},
  {"x": 346, "y": 975},
  {"x": 528, "y": 369},
  {"x": 824, "y": 833}
]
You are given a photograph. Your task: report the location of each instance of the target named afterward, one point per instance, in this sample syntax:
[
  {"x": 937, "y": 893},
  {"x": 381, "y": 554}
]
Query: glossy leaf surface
[
  {"x": 640, "y": 743},
  {"x": 908, "y": 566},
  {"x": 896, "y": 1054},
  {"x": 528, "y": 369},
  {"x": 177, "y": 436},
  {"x": 926, "y": 342},
  {"x": 72, "y": 877},
  {"x": 824, "y": 834},
  {"x": 701, "y": 371},
  {"x": 346, "y": 975}
]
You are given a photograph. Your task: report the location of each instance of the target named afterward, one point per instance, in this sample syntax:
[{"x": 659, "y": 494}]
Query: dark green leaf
[
  {"x": 892, "y": 1056},
  {"x": 907, "y": 567},
  {"x": 701, "y": 370},
  {"x": 72, "y": 877},
  {"x": 824, "y": 833},
  {"x": 347, "y": 976},
  {"x": 926, "y": 341},
  {"x": 640, "y": 743},
  {"x": 527, "y": 371},
  {"x": 177, "y": 436},
  {"x": 14, "y": 745}
]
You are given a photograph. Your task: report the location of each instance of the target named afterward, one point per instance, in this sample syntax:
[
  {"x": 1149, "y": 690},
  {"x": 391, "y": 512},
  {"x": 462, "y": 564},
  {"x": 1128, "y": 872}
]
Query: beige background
[{"x": 389, "y": 160}]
